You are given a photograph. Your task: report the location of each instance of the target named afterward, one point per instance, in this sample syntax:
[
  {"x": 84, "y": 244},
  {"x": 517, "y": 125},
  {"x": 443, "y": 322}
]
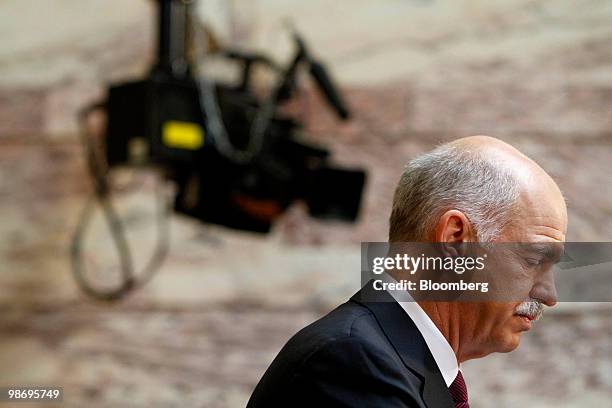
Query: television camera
[{"x": 236, "y": 159}]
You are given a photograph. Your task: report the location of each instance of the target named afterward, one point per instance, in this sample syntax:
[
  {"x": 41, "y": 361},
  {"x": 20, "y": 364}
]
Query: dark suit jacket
[{"x": 365, "y": 353}]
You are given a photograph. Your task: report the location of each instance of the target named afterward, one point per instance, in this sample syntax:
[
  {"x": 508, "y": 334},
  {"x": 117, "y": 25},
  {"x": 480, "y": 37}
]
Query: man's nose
[{"x": 545, "y": 290}]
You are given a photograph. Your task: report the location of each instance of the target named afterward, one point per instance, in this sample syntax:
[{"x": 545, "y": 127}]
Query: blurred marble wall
[
  {"x": 471, "y": 66},
  {"x": 537, "y": 74}
]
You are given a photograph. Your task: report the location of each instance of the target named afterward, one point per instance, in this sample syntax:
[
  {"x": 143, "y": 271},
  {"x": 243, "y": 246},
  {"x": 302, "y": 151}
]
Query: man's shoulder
[
  {"x": 346, "y": 332},
  {"x": 350, "y": 319},
  {"x": 339, "y": 357}
]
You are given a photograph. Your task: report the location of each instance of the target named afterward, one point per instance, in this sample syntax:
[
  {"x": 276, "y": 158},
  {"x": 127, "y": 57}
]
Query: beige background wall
[{"x": 416, "y": 72}]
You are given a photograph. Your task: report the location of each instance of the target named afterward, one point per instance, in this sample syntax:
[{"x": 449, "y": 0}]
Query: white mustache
[{"x": 532, "y": 308}]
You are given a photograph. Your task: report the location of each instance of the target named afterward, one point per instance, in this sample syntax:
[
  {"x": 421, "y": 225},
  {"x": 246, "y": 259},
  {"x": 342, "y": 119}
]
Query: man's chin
[{"x": 510, "y": 344}]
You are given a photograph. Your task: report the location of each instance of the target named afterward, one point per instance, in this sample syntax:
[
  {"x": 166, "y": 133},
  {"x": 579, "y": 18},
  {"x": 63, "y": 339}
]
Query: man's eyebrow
[{"x": 549, "y": 251}]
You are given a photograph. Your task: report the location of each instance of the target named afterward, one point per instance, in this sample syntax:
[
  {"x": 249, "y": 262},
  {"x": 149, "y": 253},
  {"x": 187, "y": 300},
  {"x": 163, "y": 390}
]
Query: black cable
[{"x": 101, "y": 196}]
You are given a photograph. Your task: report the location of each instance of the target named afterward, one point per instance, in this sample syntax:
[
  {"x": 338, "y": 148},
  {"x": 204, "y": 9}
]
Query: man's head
[{"x": 480, "y": 189}]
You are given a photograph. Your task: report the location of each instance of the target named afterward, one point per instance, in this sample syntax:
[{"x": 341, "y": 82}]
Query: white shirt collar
[{"x": 441, "y": 350}]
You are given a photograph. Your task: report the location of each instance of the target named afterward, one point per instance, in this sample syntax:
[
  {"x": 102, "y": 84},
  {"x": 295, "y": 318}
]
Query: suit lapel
[{"x": 408, "y": 342}]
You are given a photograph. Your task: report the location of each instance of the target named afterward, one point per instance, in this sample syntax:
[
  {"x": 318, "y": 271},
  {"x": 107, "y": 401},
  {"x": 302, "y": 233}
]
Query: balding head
[{"x": 490, "y": 182}]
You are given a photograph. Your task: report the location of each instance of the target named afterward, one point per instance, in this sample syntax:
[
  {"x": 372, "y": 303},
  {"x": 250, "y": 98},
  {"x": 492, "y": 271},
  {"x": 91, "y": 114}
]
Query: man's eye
[{"x": 533, "y": 261}]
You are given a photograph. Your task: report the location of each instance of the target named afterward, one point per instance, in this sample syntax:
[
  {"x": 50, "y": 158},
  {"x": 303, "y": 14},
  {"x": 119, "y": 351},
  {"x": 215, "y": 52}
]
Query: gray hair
[{"x": 451, "y": 177}]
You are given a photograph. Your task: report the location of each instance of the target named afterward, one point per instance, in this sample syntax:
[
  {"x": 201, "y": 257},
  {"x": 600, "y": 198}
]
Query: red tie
[{"x": 458, "y": 391}]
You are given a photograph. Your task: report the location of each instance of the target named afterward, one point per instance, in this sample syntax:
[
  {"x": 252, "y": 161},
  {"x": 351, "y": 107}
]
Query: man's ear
[{"x": 454, "y": 228}]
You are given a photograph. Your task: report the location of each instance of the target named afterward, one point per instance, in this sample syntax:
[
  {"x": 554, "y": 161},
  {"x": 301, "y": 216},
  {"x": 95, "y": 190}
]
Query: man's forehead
[
  {"x": 533, "y": 229},
  {"x": 543, "y": 208}
]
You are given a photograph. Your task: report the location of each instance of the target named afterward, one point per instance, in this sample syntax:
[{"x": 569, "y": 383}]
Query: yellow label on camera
[{"x": 182, "y": 135}]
